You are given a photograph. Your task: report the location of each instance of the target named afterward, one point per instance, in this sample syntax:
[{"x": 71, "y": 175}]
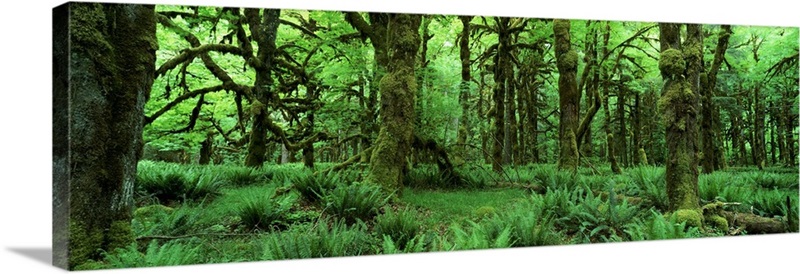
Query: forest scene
[{"x": 219, "y": 134}]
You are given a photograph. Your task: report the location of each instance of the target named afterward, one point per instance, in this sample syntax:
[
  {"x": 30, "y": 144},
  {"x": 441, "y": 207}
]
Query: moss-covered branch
[{"x": 191, "y": 53}]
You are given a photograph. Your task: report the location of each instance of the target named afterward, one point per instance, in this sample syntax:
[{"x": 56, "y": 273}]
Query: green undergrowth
[{"x": 189, "y": 214}]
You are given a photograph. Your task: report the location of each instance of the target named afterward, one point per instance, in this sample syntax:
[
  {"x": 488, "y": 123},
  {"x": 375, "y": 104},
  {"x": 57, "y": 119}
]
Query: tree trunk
[
  {"x": 680, "y": 67},
  {"x": 569, "y": 97},
  {"x": 711, "y": 153},
  {"x": 636, "y": 128},
  {"x": 264, "y": 33},
  {"x": 464, "y": 127},
  {"x": 510, "y": 143},
  {"x": 612, "y": 158},
  {"x": 390, "y": 151},
  {"x": 206, "y": 149},
  {"x": 759, "y": 146},
  {"x": 104, "y": 64},
  {"x": 499, "y": 95},
  {"x": 622, "y": 136}
]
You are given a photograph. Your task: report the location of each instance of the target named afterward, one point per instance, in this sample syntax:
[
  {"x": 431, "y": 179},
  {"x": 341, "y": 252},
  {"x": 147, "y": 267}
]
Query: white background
[{"x": 25, "y": 152}]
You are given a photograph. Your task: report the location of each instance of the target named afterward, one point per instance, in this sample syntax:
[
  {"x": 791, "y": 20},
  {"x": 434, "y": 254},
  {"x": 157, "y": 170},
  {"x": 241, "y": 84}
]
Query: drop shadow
[{"x": 40, "y": 254}]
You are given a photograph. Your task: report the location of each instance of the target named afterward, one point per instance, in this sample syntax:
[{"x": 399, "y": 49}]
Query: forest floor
[{"x": 191, "y": 214}]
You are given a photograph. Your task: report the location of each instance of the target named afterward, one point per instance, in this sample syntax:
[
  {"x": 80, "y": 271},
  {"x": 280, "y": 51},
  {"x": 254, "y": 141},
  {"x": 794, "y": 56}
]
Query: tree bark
[
  {"x": 102, "y": 78},
  {"x": 680, "y": 66},
  {"x": 499, "y": 95},
  {"x": 569, "y": 97},
  {"x": 610, "y": 153},
  {"x": 711, "y": 152},
  {"x": 388, "y": 163},
  {"x": 206, "y": 149},
  {"x": 264, "y": 32},
  {"x": 464, "y": 130}
]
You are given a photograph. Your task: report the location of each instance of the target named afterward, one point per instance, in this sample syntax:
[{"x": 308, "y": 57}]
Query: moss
[
  {"x": 569, "y": 60},
  {"x": 148, "y": 212},
  {"x": 119, "y": 235},
  {"x": 642, "y": 156},
  {"x": 690, "y": 216},
  {"x": 84, "y": 244},
  {"x": 485, "y": 211},
  {"x": 568, "y": 160},
  {"x": 717, "y": 221},
  {"x": 671, "y": 63}
]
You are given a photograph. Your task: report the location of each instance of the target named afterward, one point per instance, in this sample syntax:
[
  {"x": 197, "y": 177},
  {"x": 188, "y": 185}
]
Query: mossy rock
[
  {"x": 692, "y": 217},
  {"x": 485, "y": 211},
  {"x": 671, "y": 62}
]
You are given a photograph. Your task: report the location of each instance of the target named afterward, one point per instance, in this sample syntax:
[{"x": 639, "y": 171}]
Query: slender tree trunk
[
  {"x": 711, "y": 152},
  {"x": 636, "y": 128},
  {"x": 569, "y": 96},
  {"x": 759, "y": 147},
  {"x": 499, "y": 112},
  {"x": 264, "y": 33},
  {"x": 622, "y": 129},
  {"x": 388, "y": 163},
  {"x": 510, "y": 118},
  {"x": 612, "y": 158},
  {"x": 464, "y": 127},
  {"x": 680, "y": 67},
  {"x": 206, "y": 149},
  {"x": 104, "y": 64}
]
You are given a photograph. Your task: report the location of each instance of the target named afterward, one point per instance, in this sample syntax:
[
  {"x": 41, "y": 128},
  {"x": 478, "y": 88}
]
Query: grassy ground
[{"x": 190, "y": 214}]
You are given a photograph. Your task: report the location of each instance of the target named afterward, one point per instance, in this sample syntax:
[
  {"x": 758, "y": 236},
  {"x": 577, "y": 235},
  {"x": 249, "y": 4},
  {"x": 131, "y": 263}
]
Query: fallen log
[{"x": 753, "y": 223}]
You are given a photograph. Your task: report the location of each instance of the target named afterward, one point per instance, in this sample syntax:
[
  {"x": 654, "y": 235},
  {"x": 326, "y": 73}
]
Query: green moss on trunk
[
  {"x": 112, "y": 64},
  {"x": 390, "y": 151},
  {"x": 678, "y": 104},
  {"x": 569, "y": 96}
]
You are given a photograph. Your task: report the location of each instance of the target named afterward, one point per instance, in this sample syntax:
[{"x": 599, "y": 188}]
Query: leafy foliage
[
  {"x": 358, "y": 201},
  {"x": 399, "y": 226},
  {"x": 657, "y": 227},
  {"x": 320, "y": 240}
]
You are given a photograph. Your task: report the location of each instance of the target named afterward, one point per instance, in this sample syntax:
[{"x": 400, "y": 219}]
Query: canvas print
[{"x": 198, "y": 134}]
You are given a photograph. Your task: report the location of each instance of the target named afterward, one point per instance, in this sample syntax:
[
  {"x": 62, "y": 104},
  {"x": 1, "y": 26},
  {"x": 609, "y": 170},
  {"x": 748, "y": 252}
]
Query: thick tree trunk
[
  {"x": 622, "y": 129},
  {"x": 680, "y": 68},
  {"x": 569, "y": 96},
  {"x": 102, "y": 79},
  {"x": 264, "y": 33},
  {"x": 390, "y": 151}
]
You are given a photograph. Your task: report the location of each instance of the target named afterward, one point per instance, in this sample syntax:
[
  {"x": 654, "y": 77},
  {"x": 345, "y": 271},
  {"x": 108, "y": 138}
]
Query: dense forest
[{"x": 271, "y": 134}]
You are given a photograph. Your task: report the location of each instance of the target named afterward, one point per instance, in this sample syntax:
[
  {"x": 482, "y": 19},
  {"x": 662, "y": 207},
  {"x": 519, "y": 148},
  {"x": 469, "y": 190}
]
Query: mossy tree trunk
[
  {"x": 569, "y": 96},
  {"x": 376, "y": 31},
  {"x": 264, "y": 28},
  {"x": 206, "y": 149},
  {"x": 680, "y": 67},
  {"x": 711, "y": 149},
  {"x": 622, "y": 128},
  {"x": 636, "y": 129},
  {"x": 390, "y": 151},
  {"x": 104, "y": 75},
  {"x": 498, "y": 111},
  {"x": 610, "y": 153},
  {"x": 464, "y": 127}
]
